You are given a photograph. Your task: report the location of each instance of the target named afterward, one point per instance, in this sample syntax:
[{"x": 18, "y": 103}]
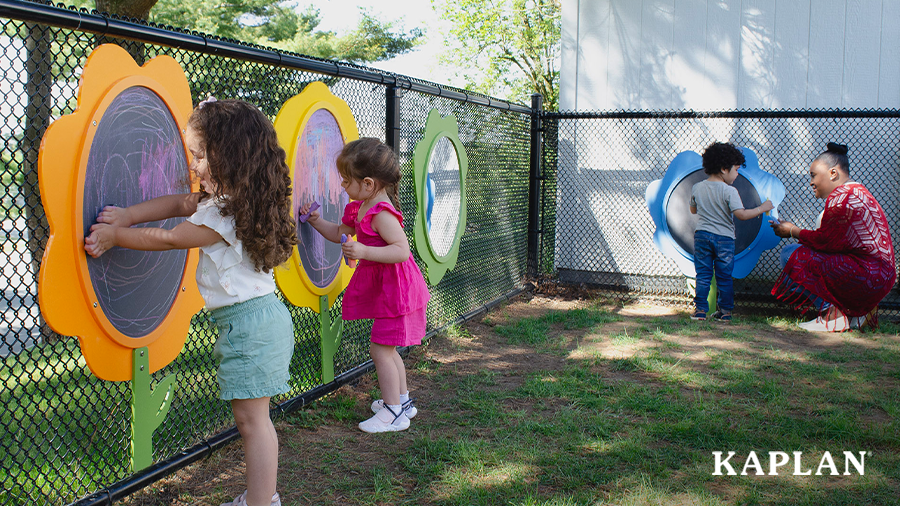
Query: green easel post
[
  {"x": 331, "y": 338},
  {"x": 712, "y": 298},
  {"x": 148, "y": 408}
]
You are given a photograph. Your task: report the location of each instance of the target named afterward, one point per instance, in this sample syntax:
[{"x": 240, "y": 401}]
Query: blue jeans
[
  {"x": 817, "y": 302},
  {"x": 714, "y": 253},
  {"x": 786, "y": 253}
]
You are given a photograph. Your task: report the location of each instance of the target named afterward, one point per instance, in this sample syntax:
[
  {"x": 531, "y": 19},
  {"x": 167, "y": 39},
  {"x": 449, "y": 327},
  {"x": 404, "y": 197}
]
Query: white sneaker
[
  {"x": 376, "y": 424},
  {"x": 839, "y": 324},
  {"x": 409, "y": 407},
  {"x": 857, "y": 322},
  {"x": 241, "y": 500}
]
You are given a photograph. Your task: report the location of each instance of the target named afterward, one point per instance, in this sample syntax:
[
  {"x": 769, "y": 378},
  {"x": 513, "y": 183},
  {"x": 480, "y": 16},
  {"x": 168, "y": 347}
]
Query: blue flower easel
[{"x": 668, "y": 200}]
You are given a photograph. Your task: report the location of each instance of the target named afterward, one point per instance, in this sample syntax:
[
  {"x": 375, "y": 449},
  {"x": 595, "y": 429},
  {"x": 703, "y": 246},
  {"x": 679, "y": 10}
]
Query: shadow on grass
[{"x": 638, "y": 405}]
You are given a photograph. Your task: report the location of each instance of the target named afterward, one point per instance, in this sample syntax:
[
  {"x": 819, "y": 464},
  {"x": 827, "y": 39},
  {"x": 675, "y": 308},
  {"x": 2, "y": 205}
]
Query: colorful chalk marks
[
  {"x": 136, "y": 155},
  {"x": 313, "y": 127},
  {"x": 122, "y": 145}
]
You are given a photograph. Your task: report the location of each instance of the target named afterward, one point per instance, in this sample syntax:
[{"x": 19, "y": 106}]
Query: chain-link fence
[
  {"x": 597, "y": 166},
  {"x": 65, "y": 433}
]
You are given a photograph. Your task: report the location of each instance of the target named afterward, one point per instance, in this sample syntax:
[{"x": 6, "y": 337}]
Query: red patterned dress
[{"x": 848, "y": 262}]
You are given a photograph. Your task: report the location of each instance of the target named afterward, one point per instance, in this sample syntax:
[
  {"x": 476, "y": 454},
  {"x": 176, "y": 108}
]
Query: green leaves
[
  {"x": 279, "y": 25},
  {"x": 507, "y": 47}
]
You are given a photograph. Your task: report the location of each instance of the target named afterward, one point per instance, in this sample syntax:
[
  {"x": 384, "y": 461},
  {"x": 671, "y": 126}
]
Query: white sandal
[
  {"x": 409, "y": 407},
  {"x": 241, "y": 500},
  {"x": 375, "y": 424}
]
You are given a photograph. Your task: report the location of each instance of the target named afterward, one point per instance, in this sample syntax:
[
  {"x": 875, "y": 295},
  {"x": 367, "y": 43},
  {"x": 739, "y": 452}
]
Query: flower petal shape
[
  {"x": 668, "y": 200},
  {"x": 124, "y": 144}
]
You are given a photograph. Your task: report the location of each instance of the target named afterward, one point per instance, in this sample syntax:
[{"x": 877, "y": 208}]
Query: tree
[
  {"x": 372, "y": 40},
  {"x": 505, "y": 47},
  {"x": 271, "y": 23},
  {"x": 130, "y": 8},
  {"x": 278, "y": 25}
]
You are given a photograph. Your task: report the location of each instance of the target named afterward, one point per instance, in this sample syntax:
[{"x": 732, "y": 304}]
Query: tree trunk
[
  {"x": 37, "y": 117},
  {"x": 135, "y": 9},
  {"x": 139, "y": 9}
]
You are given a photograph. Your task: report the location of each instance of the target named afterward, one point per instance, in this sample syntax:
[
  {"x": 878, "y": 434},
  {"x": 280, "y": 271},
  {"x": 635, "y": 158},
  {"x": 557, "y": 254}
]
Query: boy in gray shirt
[{"x": 714, "y": 201}]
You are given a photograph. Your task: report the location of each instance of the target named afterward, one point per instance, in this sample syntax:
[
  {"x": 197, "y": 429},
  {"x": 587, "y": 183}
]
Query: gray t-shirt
[{"x": 715, "y": 202}]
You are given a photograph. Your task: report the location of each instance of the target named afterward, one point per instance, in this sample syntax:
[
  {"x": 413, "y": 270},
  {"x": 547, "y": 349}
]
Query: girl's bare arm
[
  {"x": 328, "y": 230},
  {"x": 388, "y": 227},
  {"x": 184, "y": 236},
  {"x": 160, "y": 208}
]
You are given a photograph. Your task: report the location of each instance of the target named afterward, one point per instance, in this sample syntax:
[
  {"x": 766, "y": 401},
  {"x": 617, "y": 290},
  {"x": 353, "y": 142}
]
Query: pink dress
[{"x": 394, "y": 295}]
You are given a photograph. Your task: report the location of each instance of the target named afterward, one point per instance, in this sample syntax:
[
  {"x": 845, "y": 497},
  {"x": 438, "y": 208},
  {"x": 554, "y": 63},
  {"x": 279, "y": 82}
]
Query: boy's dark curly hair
[
  {"x": 248, "y": 168},
  {"x": 721, "y": 156}
]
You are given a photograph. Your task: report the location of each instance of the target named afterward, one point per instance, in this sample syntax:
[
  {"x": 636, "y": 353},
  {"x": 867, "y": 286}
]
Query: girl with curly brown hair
[{"x": 241, "y": 221}]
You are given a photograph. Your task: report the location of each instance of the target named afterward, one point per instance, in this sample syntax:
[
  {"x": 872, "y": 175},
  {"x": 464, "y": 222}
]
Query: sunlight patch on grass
[
  {"x": 649, "y": 493},
  {"x": 623, "y": 339},
  {"x": 553, "y": 501}
]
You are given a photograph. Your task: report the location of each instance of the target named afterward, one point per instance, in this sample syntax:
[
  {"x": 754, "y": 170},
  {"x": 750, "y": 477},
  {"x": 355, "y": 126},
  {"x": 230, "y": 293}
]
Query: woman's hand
[
  {"x": 102, "y": 238},
  {"x": 785, "y": 229},
  {"x": 115, "y": 216}
]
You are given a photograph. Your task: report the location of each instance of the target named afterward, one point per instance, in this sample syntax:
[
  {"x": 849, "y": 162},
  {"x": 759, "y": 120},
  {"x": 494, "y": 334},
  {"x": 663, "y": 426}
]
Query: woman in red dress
[{"x": 846, "y": 266}]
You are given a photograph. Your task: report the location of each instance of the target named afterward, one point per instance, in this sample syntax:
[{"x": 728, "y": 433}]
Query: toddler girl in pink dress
[{"x": 387, "y": 285}]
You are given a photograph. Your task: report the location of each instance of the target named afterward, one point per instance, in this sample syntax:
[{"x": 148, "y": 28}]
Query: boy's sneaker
[
  {"x": 409, "y": 407},
  {"x": 241, "y": 500},
  {"x": 720, "y": 316},
  {"x": 698, "y": 315},
  {"x": 376, "y": 424}
]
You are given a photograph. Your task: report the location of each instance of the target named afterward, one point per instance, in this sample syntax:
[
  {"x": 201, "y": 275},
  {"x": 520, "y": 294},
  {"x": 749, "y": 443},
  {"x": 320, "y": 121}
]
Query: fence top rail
[
  {"x": 100, "y": 24},
  {"x": 749, "y": 113}
]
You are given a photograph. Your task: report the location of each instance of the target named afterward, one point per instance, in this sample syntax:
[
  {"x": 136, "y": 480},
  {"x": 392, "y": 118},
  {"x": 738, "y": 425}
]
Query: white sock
[
  {"x": 404, "y": 397},
  {"x": 396, "y": 408},
  {"x": 385, "y": 416}
]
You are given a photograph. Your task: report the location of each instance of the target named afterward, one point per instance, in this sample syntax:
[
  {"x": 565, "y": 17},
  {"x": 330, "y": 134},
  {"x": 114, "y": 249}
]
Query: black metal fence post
[
  {"x": 392, "y": 96},
  {"x": 534, "y": 193}
]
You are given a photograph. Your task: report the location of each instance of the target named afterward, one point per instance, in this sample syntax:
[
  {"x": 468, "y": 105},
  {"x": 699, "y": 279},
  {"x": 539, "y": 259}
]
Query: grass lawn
[{"x": 557, "y": 401}]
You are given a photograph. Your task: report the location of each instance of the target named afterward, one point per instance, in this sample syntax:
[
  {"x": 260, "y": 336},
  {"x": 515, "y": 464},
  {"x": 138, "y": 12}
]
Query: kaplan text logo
[{"x": 777, "y": 460}]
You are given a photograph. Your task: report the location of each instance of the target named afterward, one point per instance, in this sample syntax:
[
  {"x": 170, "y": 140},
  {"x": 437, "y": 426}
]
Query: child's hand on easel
[
  {"x": 309, "y": 213},
  {"x": 101, "y": 240},
  {"x": 115, "y": 216}
]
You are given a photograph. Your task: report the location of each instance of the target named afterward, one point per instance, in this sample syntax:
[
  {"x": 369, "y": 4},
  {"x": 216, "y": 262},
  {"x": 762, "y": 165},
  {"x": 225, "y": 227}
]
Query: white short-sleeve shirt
[{"x": 225, "y": 274}]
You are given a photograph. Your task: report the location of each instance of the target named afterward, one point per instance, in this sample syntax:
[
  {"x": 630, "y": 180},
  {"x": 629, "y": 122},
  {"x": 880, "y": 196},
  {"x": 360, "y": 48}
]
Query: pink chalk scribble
[{"x": 316, "y": 178}]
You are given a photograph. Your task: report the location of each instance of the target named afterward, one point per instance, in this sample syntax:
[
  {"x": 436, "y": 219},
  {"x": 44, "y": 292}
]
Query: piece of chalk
[
  {"x": 350, "y": 263},
  {"x": 312, "y": 207}
]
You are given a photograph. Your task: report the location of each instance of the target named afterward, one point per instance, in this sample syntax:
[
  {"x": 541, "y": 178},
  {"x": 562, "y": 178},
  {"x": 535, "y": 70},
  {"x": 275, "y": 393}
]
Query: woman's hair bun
[{"x": 840, "y": 149}]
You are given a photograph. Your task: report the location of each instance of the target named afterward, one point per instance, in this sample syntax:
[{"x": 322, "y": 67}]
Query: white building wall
[
  {"x": 714, "y": 55},
  {"x": 730, "y": 54}
]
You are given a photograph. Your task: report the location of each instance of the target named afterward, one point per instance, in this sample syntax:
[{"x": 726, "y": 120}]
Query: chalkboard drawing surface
[
  {"x": 122, "y": 145},
  {"x": 668, "y": 200},
  {"x": 313, "y": 127},
  {"x": 440, "y": 164}
]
